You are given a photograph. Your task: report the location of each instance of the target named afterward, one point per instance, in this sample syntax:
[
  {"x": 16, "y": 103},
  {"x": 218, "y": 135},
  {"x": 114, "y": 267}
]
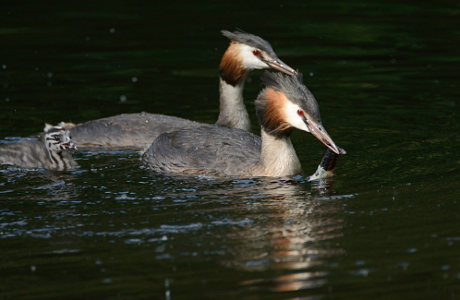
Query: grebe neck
[
  {"x": 278, "y": 156},
  {"x": 232, "y": 111}
]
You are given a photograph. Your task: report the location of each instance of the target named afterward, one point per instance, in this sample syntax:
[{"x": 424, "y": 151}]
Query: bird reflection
[{"x": 295, "y": 239}]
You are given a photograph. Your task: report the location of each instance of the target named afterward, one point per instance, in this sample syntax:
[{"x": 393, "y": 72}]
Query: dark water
[{"x": 387, "y": 226}]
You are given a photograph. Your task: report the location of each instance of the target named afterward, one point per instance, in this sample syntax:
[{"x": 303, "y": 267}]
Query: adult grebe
[
  {"x": 284, "y": 104},
  {"x": 137, "y": 131},
  {"x": 52, "y": 153}
]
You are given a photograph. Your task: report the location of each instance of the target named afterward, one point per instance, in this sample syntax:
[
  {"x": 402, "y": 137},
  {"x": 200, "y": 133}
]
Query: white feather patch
[
  {"x": 250, "y": 61},
  {"x": 290, "y": 110}
]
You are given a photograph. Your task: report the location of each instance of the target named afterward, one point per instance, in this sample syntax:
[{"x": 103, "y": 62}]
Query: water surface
[{"x": 386, "y": 78}]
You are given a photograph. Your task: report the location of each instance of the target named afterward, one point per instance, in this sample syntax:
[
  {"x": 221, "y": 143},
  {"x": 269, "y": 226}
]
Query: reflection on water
[
  {"x": 292, "y": 239},
  {"x": 284, "y": 236},
  {"x": 385, "y": 75},
  {"x": 282, "y": 227}
]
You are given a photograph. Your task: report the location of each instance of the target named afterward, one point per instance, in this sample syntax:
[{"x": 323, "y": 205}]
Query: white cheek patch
[
  {"x": 290, "y": 110},
  {"x": 250, "y": 61}
]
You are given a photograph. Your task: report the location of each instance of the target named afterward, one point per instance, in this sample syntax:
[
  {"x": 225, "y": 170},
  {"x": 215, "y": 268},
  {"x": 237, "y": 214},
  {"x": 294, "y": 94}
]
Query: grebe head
[
  {"x": 247, "y": 52},
  {"x": 285, "y": 104},
  {"x": 58, "y": 139}
]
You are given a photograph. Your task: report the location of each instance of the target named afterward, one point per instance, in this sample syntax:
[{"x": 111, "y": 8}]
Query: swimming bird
[
  {"x": 137, "y": 131},
  {"x": 283, "y": 105},
  {"x": 51, "y": 153}
]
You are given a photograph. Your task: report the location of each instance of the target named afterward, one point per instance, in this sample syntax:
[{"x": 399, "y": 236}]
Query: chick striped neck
[{"x": 59, "y": 158}]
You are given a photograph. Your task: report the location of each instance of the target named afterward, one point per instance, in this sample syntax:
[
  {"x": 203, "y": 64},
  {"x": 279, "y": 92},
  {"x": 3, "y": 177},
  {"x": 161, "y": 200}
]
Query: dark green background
[{"x": 387, "y": 226}]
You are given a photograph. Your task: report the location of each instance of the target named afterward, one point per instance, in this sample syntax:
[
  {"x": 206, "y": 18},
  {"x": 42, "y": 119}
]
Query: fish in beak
[{"x": 321, "y": 134}]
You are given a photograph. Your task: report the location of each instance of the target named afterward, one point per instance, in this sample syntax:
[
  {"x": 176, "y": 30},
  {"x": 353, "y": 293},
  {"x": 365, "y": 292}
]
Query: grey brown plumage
[
  {"x": 126, "y": 131},
  {"x": 207, "y": 150},
  {"x": 218, "y": 151},
  {"x": 138, "y": 130}
]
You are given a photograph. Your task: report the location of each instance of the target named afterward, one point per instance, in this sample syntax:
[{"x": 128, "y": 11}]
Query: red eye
[
  {"x": 256, "y": 52},
  {"x": 300, "y": 112}
]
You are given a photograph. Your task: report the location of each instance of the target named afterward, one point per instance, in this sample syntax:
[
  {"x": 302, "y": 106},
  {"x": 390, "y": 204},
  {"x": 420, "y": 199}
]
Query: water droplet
[
  {"x": 445, "y": 267},
  {"x": 123, "y": 98},
  {"x": 359, "y": 263},
  {"x": 160, "y": 249},
  {"x": 363, "y": 272},
  {"x": 404, "y": 265},
  {"x": 112, "y": 30},
  {"x": 412, "y": 250},
  {"x": 311, "y": 74},
  {"x": 33, "y": 268},
  {"x": 3, "y": 67},
  {"x": 334, "y": 265},
  {"x": 107, "y": 280},
  {"x": 167, "y": 283},
  {"x": 49, "y": 75},
  {"x": 134, "y": 79},
  {"x": 134, "y": 241}
]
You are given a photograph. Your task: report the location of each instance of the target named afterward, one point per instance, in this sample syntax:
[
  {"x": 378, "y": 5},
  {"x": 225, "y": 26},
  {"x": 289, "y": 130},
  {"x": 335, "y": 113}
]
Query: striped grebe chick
[{"x": 52, "y": 152}]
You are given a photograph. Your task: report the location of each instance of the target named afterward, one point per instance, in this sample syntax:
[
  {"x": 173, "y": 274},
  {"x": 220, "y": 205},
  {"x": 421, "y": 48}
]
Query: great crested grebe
[
  {"x": 52, "y": 153},
  {"x": 137, "y": 131},
  {"x": 284, "y": 104}
]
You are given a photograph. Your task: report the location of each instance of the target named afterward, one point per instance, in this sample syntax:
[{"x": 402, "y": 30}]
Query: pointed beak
[
  {"x": 321, "y": 134},
  {"x": 70, "y": 146},
  {"x": 278, "y": 65}
]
